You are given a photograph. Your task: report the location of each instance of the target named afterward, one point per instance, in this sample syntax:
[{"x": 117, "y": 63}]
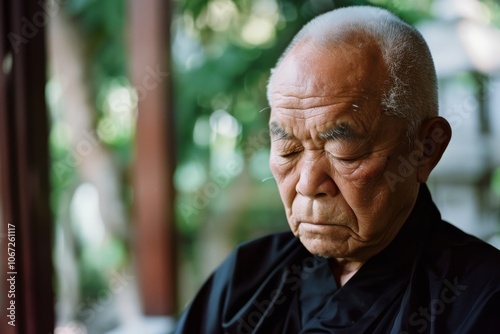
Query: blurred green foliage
[
  {"x": 222, "y": 52},
  {"x": 218, "y": 65},
  {"x": 101, "y": 27},
  {"x": 102, "y": 23}
]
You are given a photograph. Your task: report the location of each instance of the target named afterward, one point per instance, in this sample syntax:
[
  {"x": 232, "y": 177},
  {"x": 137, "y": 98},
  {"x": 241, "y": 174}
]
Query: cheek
[
  {"x": 367, "y": 174},
  {"x": 285, "y": 180},
  {"x": 365, "y": 189},
  {"x": 281, "y": 168},
  {"x": 274, "y": 165}
]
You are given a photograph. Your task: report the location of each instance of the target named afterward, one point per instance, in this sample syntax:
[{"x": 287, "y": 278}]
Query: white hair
[{"x": 412, "y": 86}]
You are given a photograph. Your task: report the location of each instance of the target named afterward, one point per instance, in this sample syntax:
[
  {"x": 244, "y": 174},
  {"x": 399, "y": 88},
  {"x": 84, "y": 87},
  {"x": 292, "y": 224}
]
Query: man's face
[{"x": 331, "y": 145}]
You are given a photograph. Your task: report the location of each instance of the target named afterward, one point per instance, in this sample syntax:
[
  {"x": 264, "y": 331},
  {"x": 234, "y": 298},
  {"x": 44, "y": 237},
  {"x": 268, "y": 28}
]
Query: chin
[
  {"x": 323, "y": 249},
  {"x": 325, "y": 241}
]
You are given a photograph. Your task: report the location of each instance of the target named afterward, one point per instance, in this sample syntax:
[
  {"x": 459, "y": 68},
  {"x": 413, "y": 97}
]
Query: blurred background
[{"x": 156, "y": 138}]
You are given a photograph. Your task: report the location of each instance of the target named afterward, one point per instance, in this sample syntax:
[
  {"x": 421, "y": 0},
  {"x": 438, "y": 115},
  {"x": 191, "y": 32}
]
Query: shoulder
[
  {"x": 256, "y": 257},
  {"x": 471, "y": 247},
  {"x": 253, "y": 267},
  {"x": 462, "y": 254},
  {"x": 469, "y": 279},
  {"x": 232, "y": 284}
]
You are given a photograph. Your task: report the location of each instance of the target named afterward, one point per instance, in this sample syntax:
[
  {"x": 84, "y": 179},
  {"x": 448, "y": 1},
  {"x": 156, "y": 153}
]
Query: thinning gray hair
[{"x": 412, "y": 88}]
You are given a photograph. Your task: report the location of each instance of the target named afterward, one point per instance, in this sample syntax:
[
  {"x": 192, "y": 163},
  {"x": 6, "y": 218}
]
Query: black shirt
[{"x": 432, "y": 278}]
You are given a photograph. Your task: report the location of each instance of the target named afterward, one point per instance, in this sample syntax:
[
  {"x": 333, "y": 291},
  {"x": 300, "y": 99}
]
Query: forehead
[{"x": 312, "y": 75}]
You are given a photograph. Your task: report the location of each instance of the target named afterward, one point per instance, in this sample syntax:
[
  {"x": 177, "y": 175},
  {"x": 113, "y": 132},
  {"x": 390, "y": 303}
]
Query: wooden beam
[
  {"x": 154, "y": 228},
  {"x": 24, "y": 172}
]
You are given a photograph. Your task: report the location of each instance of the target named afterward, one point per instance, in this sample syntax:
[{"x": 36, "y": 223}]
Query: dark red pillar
[
  {"x": 154, "y": 226},
  {"x": 24, "y": 171}
]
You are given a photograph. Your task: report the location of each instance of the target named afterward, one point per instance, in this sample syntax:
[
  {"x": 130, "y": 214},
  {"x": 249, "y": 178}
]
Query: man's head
[{"x": 353, "y": 101}]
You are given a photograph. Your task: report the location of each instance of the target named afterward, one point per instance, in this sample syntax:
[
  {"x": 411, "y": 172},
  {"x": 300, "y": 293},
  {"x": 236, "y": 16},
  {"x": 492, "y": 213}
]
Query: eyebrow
[
  {"x": 278, "y": 132},
  {"x": 342, "y": 131}
]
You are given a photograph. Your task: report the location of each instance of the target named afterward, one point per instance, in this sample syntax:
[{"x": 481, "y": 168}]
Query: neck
[{"x": 343, "y": 271}]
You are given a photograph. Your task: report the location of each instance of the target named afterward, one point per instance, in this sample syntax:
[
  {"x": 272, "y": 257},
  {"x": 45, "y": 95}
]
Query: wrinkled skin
[{"x": 331, "y": 147}]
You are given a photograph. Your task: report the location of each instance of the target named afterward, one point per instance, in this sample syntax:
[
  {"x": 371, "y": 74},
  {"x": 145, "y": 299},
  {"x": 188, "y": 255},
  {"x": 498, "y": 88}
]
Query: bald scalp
[{"x": 411, "y": 88}]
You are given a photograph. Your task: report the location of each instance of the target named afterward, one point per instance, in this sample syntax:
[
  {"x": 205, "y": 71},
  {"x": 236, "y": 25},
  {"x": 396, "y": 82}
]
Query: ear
[{"x": 434, "y": 136}]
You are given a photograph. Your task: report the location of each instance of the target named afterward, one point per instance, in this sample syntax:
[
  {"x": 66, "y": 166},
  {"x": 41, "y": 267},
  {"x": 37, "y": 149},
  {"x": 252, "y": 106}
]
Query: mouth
[
  {"x": 318, "y": 223},
  {"x": 321, "y": 227}
]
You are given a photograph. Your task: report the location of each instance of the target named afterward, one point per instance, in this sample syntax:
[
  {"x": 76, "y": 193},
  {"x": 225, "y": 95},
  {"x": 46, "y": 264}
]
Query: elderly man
[{"x": 354, "y": 136}]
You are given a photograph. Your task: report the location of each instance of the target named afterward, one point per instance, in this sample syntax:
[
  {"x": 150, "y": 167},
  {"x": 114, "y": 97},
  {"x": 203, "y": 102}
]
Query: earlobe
[{"x": 434, "y": 136}]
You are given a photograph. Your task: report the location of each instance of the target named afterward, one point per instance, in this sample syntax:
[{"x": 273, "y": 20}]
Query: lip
[
  {"x": 317, "y": 224},
  {"x": 317, "y": 228},
  {"x": 320, "y": 225},
  {"x": 314, "y": 223}
]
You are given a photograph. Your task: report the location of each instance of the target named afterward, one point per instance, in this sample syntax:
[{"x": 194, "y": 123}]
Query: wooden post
[
  {"x": 154, "y": 231},
  {"x": 24, "y": 172}
]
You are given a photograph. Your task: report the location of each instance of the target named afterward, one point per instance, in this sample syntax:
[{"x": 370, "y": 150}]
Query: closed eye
[
  {"x": 289, "y": 154},
  {"x": 347, "y": 159}
]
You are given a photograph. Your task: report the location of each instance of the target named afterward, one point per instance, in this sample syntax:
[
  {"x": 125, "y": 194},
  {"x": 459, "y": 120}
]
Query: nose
[{"x": 315, "y": 178}]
